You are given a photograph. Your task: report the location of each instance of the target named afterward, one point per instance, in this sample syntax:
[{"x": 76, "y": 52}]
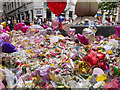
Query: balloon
[
  {"x": 55, "y": 24},
  {"x": 82, "y": 39},
  {"x": 98, "y": 71},
  {"x": 117, "y": 33},
  {"x": 24, "y": 29},
  {"x": 3, "y": 24},
  {"x": 8, "y": 48},
  {"x": 94, "y": 58},
  {"x": 61, "y": 18},
  {"x": 71, "y": 32},
  {"x": 57, "y": 7}
]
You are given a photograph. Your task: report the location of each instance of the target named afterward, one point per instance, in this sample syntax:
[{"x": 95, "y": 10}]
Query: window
[
  {"x": 15, "y": 4},
  {"x": 32, "y": 14},
  {"x": 39, "y": 11},
  {"x": 8, "y": 7},
  {"x": 48, "y": 13},
  {"x": 12, "y": 4},
  {"x": 70, "y": 13}
]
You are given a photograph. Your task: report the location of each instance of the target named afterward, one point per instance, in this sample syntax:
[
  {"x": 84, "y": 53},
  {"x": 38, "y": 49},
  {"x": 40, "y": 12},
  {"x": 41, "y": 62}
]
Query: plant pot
[{"x": 86, "y": 8}]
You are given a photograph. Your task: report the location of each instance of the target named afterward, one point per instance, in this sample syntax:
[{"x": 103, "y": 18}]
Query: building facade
[
  {"x": 1, "y": 9},
  {"x": 35, "y": 9}
]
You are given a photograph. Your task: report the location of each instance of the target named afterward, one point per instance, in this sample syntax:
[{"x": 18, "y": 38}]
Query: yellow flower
[
  {"x": 28, "y": 51},
  {"x": 104, "y": 83},
  {"x": 101, "y": 77},
  {"x": 106, "y": 42},
  {"x": 27, "y": 65},
  {"x": 26, "y": 84},
  {"x": 100, "y": 50},
  {"x": 63, "y": 61},
  {"x": 60, "y": 35},
  {"x": 109, "y": 52},
  {"x": 35, "y": 78},
  {"x": 31, "y": 84},
  {"x": 3, "y": 67},
  {"x": 38, "y": 87},
  {"x": 0, "y": 65},
  {"x": 67, "y": 61},
  {"x": 52, "y": 64},
  {"x": 88, "y": 78}
]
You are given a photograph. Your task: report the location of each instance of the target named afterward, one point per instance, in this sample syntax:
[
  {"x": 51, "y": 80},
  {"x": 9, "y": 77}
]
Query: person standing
[
  {"x": 38, "y": 21},
  {"x": 27, "y": 22},
  {"x": 9, "y": 23},
  {"x": 34, "y": 21},
  {"x": 3, "y": 19},
  {"x": 17, "y": 21}
]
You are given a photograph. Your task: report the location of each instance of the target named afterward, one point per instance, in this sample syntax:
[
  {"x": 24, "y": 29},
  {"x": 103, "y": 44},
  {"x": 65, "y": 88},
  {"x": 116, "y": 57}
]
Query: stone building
[
  {"x": 1, "y": 9},
  {"x": 34, "y": 9}
]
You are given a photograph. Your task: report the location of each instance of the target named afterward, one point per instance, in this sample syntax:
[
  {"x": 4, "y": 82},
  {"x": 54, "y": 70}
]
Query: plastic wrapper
[
  {"x": 6, "y": 37},
  {"x": 55, "y": 61},
  {"x": 113, "y": 84},
  {"x": 1, "y": 85},
  {"x": 89, "y": 34}
]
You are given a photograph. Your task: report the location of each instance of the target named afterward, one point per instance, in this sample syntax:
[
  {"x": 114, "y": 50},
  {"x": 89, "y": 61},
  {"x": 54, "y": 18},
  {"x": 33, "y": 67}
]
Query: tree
[{"x": 108, "y": 5}]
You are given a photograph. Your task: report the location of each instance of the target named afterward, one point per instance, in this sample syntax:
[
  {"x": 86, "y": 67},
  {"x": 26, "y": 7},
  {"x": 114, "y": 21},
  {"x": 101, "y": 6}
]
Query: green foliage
[{"x": 107, "y": 6}]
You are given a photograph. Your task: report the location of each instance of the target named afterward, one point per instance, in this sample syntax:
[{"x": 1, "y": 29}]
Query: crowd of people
[{"x": 36, "y": 21}]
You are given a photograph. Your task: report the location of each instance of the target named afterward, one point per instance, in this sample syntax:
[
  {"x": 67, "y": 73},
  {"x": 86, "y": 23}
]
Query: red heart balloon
[
  {"x": 57, "y": 6},
  {"x": 93, "y": 58}
]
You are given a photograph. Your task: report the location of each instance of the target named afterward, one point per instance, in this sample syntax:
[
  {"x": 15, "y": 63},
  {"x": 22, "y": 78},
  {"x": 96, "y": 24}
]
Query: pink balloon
[
  {"x": 1, "y": 85},
  {"x": 117, "y": 33},
  {"x": 24, "y": 29},
  {"x": 82, "y": 39}
]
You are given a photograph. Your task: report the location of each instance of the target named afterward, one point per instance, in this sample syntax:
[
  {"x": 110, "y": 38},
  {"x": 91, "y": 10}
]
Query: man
[{"x": 27, "y": 22}]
